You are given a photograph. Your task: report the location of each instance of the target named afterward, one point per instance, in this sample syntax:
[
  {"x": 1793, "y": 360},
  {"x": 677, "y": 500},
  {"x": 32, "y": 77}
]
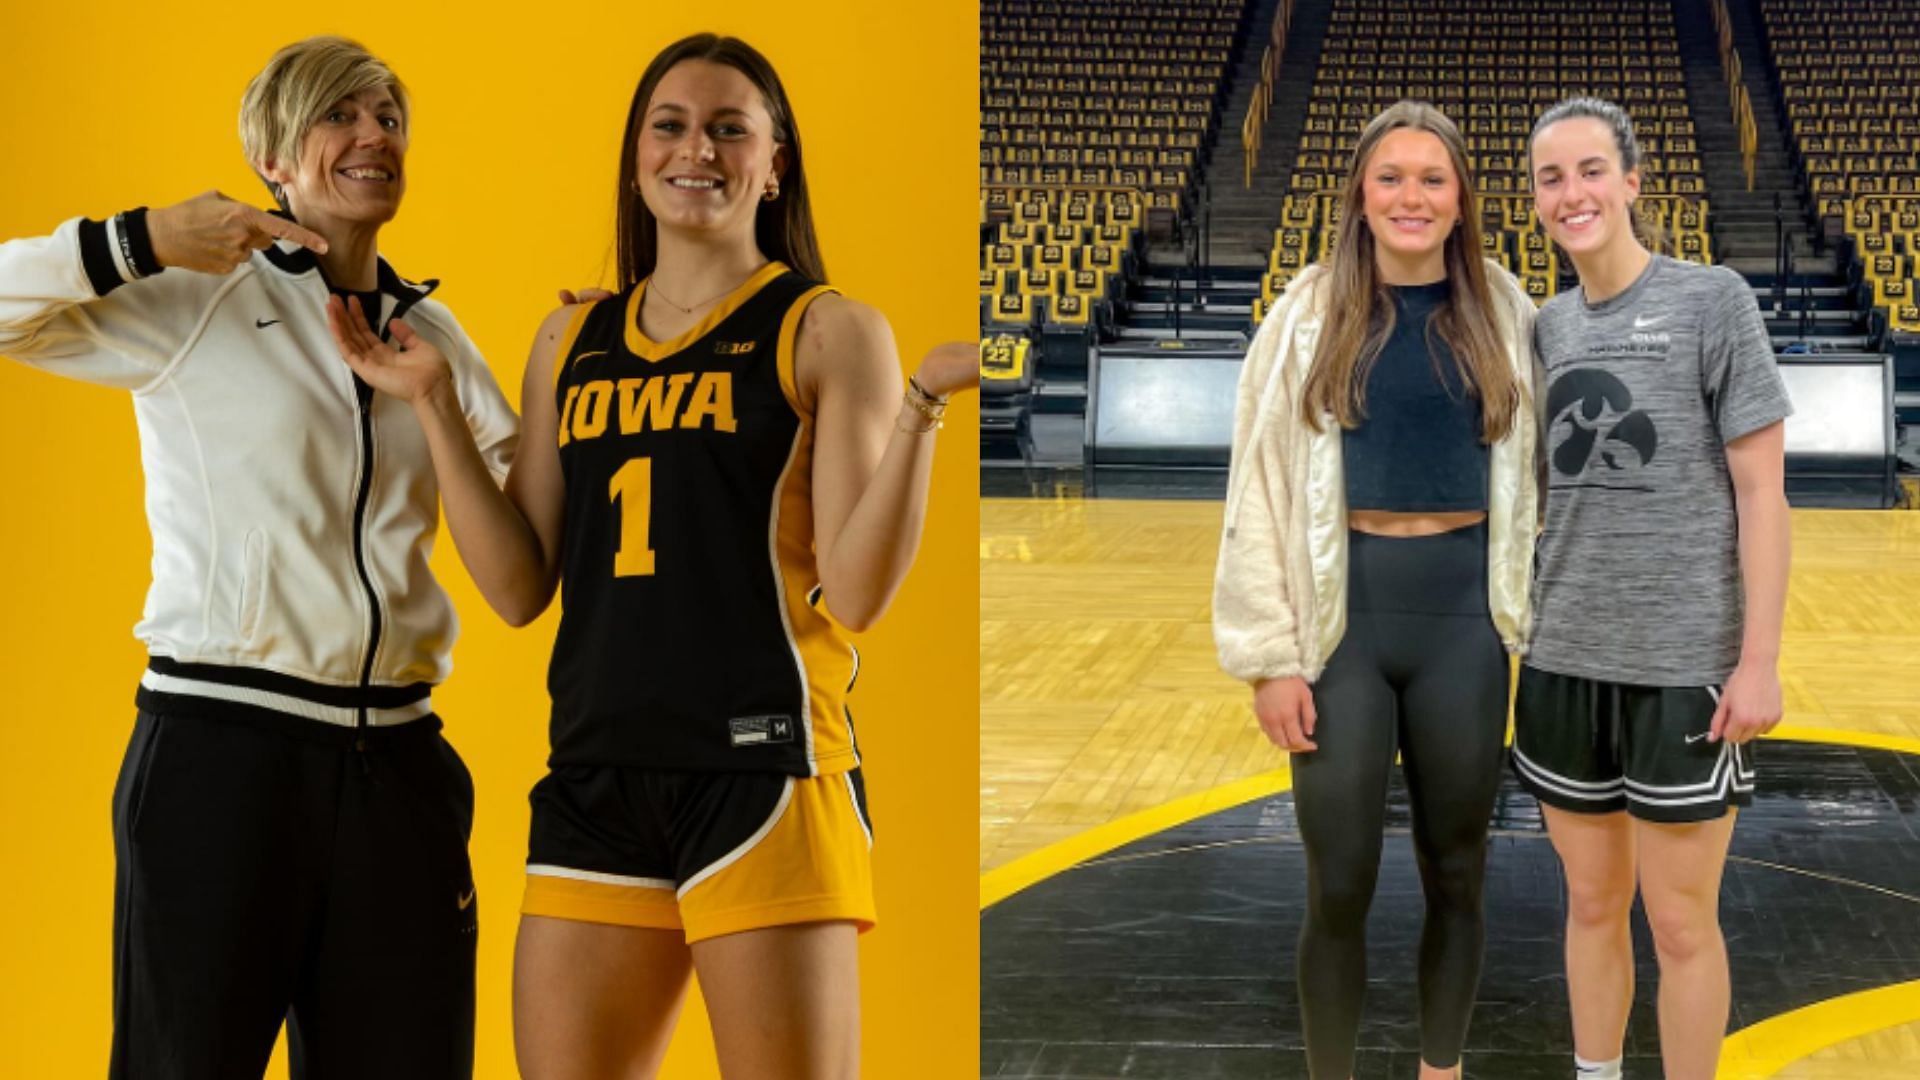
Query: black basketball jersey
[{"x": 690, "y": 633}]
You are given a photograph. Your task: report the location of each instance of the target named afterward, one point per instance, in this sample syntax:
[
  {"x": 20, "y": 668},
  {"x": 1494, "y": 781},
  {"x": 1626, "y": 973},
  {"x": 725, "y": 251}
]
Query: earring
[{"x": 772, "y": 192}]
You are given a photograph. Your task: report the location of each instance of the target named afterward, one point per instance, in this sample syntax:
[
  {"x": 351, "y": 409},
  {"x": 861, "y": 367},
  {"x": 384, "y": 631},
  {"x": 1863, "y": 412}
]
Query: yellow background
[{"x": 516, "y": 125}]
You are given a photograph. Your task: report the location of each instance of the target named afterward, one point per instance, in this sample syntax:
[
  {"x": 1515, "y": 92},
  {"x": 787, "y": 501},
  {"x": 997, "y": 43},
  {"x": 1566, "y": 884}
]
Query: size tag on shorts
[{"x": 756, "y": 730}]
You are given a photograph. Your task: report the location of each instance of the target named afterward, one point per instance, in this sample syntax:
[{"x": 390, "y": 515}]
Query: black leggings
[{"x": 1420, "y": 670}]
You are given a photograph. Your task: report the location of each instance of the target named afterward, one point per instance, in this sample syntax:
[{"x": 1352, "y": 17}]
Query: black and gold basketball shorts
[
  {"x": 707, "y": 853},
  {"x": 1595, "y": 747}
]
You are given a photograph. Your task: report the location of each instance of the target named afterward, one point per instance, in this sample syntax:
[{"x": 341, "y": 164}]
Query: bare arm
[
  {"x": 871, "y": 465},
  {"x": 1751, "y": 704},
  {"x": 508, "y": 540}
]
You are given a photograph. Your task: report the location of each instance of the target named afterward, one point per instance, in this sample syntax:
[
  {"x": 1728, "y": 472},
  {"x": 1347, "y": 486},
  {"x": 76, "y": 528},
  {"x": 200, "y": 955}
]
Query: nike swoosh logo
[
  {"x": 1691, "y": 739},
  {"x": 262, "y": 324},
  {"x": 1641, "y": 322},
  {"x": 467, "y": 900}
]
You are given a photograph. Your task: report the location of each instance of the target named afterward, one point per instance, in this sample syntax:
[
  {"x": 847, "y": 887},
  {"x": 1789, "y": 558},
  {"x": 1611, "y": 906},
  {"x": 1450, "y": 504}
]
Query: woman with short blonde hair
[{"x": 290, "y": 828}]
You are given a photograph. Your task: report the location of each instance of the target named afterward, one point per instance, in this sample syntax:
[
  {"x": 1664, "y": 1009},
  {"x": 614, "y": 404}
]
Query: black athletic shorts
[
  {"x": 1594, "y": 747},
  {"x": 704, "y": 853}
]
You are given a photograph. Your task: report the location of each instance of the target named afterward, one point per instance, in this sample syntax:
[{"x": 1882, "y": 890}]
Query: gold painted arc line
[
  {"x": 1765, "y": 1048},
  {"x": 1036, "y": 866}
]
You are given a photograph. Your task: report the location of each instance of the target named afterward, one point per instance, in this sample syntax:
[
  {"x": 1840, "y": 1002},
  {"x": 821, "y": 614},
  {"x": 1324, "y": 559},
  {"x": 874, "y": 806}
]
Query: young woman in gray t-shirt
[{"x": 1658, "y": 591}]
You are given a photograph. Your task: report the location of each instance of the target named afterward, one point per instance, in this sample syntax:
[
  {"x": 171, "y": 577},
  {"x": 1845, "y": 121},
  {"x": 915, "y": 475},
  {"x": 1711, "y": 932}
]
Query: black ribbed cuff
[
  {"x": 96, "y": 257},
  {"x": 137, "y": 243}
]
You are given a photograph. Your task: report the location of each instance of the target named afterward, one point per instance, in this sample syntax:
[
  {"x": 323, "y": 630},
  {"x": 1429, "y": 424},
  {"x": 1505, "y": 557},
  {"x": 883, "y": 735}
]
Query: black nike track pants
[
  {"x": 1420, "y": 671},
  {"x": 292, "y": 871}
]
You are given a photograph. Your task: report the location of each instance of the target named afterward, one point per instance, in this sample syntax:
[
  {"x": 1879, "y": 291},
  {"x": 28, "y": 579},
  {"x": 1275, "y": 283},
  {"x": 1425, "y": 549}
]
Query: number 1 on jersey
[{"x": 633, "y": 484}]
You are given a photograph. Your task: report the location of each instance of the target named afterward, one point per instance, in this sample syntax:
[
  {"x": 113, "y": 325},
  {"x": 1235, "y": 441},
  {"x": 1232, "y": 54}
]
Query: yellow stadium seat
[
  {"x": 1106, "y": 257},
  {"x": 1068, "y": 309},
  {"x": 1038, "y": 282},
  {"x": 1089, "y": 283},
  {"x": 1013, "y": 308},
  {"x": 1892, "y": 292},
  {"x": 1003, "y": 357},
  {"x": 1275, "y": 283},
  {"x": 1905, "y": 318}
]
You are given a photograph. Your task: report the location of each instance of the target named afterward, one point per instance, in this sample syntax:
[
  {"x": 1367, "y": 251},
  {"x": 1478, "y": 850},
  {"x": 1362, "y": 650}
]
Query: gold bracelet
[
  {"x": 932, "y": 414},
  {"x": 914, "y": 387},
  {"x": 932, "y": 410}
]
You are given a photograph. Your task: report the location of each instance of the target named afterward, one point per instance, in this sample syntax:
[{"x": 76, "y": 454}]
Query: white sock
[{"x": 1595, "y": 1070}]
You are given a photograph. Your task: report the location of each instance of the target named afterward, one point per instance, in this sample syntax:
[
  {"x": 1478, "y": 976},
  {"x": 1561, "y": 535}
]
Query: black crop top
[{"x": 1418, "y": 449}]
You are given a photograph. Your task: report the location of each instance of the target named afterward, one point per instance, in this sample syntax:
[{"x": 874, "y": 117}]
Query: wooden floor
[{"x": 1100, "y": 696}]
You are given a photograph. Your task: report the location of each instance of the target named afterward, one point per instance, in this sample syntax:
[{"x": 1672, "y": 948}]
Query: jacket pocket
[{"x": 253, "y": 583}]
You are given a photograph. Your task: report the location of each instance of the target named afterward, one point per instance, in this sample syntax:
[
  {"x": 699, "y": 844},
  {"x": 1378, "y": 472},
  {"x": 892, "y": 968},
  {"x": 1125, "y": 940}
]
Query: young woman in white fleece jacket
[{"x": 1379, "y": 526}]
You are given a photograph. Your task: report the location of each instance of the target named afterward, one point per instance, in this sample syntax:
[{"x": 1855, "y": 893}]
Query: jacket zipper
[{"x": 363, "y": 399}]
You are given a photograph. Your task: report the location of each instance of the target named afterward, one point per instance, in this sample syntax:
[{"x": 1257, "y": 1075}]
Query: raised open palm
[{"x": 408, "y": 372}]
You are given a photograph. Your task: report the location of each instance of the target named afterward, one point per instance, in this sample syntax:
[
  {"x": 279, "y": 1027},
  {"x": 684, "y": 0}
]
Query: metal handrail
[
  {"x": 1779, "y": 258},
  {"x": 1743, "y": 122},
  {"x": 1253, "y": 125}
]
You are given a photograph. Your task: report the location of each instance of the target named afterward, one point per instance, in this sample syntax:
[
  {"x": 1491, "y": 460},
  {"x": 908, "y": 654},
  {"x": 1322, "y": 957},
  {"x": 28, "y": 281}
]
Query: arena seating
[
  {"x": 1093, "y": 118},
  {"x": 1849, "y": 78}
]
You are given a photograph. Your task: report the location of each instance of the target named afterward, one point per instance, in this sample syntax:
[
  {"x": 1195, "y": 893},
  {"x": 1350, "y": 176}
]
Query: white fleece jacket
[{"x": 1280, "y": 588}]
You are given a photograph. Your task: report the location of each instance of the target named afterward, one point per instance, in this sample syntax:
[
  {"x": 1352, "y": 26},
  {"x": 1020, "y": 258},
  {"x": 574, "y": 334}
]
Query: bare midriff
[{"x": 1394, "y": 523}]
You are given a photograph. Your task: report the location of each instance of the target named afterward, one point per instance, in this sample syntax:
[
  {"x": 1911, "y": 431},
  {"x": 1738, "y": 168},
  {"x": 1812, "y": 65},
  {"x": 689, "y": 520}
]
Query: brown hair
[
  {"x": 1360, "y": 312},
  {"x": 783, "y": 228},
  {"x": 1620, "y": 126}
]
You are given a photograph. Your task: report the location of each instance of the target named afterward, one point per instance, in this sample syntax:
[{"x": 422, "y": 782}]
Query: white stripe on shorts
[
  {"x": 734, "y": 856},
  {"x": 1589, "y": 790},
  {"x": 595, "y": 876}
]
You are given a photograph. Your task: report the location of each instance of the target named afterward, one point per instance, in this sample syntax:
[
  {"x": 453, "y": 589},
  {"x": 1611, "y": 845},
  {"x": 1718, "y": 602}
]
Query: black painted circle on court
[{"x": 1173, "y": 956}]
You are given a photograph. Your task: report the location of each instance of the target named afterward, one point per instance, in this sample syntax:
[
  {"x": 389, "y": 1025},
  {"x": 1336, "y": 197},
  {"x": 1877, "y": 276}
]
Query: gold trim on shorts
[{"x": 809, "y": 862}]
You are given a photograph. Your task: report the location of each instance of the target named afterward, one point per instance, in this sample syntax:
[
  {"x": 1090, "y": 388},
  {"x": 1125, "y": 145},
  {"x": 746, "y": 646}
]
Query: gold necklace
[{"x": 653, "y": 288}]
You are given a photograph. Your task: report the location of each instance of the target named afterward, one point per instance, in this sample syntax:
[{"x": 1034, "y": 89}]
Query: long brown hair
[
  {"x": 783, "y": 228},
  {"x": 1360, "y": 311}
]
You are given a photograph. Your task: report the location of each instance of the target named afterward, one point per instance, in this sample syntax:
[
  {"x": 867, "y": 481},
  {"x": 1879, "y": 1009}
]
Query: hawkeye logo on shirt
[
  {"x": 1597, "y": 437},
  {"x": 660, "y": 403}
]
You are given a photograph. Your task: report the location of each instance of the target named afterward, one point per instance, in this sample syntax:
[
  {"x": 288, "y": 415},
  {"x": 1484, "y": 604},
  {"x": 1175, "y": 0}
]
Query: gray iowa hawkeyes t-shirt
[{"x": 1637, "y": 578}]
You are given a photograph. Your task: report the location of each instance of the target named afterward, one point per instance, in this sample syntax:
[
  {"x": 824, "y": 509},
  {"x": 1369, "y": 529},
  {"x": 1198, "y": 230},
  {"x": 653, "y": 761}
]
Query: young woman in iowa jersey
[{"x": 722, "y": 473}]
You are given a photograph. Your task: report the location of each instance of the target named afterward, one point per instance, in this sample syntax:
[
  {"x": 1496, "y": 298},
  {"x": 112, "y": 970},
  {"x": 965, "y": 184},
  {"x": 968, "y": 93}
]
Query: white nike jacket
[{"x": 292, "y": 508}]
